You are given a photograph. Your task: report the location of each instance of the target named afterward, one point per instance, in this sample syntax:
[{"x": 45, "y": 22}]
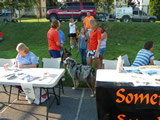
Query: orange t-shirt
[
  {"x": 53, "y": 37},
  {"x": 1, "y": 34},
  {"x": 93, "y": 41},
  {"x": 86, "y": 21}
]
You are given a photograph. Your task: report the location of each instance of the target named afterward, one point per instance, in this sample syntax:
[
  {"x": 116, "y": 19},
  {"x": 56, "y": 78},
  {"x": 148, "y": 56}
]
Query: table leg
[
  {"x": 10, "y": 93},
  {"x": 5, "y": 89}
]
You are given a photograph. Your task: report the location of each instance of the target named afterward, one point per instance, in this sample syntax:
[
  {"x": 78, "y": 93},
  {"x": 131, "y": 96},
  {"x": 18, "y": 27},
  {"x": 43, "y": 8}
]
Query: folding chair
[
  {"x": 126, "y": 60},
  {"x": 157, "y": 62},
  {"x": 52, "y": 63},
  {"x": 110, "y": 64}
]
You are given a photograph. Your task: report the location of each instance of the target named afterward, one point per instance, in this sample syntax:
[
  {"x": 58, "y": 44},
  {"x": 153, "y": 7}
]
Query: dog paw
[
  {"x": 73, "y": 88},
  {"x": 92, "y": 95}
]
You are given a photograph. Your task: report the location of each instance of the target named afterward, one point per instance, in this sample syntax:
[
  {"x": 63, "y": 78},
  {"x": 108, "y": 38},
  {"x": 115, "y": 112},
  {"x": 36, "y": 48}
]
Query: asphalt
[{"x": 75, "y": 105}]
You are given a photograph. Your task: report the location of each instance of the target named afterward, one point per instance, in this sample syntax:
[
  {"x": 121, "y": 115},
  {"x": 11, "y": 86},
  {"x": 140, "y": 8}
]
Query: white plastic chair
[
  {"x": 3, "y": 61},
  {"x": 157, "y": 62},
  {"x": 51, "y": 62},
  {"x": 110, "y": 64},
  {"x": 126, "y": 61}
]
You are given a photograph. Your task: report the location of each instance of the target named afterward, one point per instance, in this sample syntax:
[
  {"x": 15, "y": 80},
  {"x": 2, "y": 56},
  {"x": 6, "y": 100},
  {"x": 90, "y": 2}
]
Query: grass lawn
[{"x": 123, "y": 38}]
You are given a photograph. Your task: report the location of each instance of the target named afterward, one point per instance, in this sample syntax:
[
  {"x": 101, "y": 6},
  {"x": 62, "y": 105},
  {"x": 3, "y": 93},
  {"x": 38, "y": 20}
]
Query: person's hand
[
  {"x": 5, "y": 66},
  {"x": 86, "y": 50},
  {"x": 95, "y": 56}
]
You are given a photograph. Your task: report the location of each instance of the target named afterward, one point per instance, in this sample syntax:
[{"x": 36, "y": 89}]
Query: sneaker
[
  {"x": 30, "y": 101},
  {"x": 36, "y": 101}
]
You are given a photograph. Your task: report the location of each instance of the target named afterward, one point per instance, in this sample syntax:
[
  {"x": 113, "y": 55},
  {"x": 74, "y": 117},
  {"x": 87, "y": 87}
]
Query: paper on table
[{"x": 28, "y": 90}]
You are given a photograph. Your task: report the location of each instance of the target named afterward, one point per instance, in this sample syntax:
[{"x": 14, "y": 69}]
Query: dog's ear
[{"x": 65, "y": 50}]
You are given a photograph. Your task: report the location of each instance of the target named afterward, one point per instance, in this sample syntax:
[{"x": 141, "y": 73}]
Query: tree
[
  {"x": 154, "y": 8},
  {"x": 18, "y": 3}
]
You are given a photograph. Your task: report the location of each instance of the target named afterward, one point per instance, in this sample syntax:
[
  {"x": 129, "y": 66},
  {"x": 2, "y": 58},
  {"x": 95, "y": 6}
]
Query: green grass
[{"x": 123, "y": 38}]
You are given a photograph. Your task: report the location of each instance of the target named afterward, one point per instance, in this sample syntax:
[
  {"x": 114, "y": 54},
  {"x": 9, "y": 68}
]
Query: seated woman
[
  {"x": 1, "y": 36},
  {"x": 27, "y": 59}
]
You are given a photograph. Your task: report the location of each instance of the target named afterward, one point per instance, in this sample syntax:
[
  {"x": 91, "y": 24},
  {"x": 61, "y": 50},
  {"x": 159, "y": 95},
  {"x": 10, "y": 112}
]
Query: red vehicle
[{"x": 77, "y": 10}]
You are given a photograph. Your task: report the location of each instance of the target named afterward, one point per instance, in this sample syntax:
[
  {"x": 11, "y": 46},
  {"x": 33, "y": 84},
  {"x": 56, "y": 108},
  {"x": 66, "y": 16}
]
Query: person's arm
[
  {"x": 152, "y": 62},
  {"x": 99, "y": 43},
  {"x": 27, "y": 66},
  {"x": 73, "y": 23},
  {"x": 104, "y": 35},
  {"x": 98, "y": 47},
  {"x": 59, "y": 44}
]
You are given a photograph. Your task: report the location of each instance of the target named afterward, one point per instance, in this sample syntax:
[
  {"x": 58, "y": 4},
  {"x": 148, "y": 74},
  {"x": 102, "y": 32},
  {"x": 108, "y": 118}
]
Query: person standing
[
  {"x": 61, "y": 38},
  {"x": 72, "y": 32},
  {"x": 94, "y": 44},
  {"x": 86, "y": 23},
  {"x": 53, "y": 40},
  {"x": 145, "y": 56},
  {"x": 103, "y": 44},
  {"x": 82, "y": 45}
]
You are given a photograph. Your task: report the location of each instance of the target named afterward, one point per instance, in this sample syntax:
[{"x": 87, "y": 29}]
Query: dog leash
[{"x": 77, "y": 55}]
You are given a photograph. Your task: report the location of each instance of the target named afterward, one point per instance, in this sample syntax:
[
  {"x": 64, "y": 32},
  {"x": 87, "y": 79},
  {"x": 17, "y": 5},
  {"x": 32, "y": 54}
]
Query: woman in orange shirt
[
  {"x": 94, "y": 44},
  {"x": 53, "y": 40}
]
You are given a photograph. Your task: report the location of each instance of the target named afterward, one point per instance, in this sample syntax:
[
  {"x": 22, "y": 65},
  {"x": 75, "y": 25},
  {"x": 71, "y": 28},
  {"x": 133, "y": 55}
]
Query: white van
[{"x": 124, "y": 14}]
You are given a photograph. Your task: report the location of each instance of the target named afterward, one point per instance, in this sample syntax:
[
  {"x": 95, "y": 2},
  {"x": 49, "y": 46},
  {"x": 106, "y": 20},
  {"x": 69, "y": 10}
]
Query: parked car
[
  {"x": 126, "y": 14},
  {"x": 7, "y": 17},
  {"x": 141, "y": 16},
  {"x": 100, "y": 16},
  {"x": 77, "y": 10}
]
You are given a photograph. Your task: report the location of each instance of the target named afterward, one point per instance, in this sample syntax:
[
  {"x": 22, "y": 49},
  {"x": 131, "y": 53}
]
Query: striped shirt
[{"x": 143, "y": 58}]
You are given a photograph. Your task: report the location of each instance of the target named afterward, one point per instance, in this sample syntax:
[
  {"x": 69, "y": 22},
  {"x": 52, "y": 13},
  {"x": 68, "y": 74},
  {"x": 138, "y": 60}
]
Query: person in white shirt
[
  {"x": 103, "y": 44},
  {"x": 72, "y": 32}
]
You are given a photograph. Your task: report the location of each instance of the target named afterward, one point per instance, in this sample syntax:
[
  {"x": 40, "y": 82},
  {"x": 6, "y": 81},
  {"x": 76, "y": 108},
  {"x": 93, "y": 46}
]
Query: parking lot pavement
[{"x": 75, "y": 105}]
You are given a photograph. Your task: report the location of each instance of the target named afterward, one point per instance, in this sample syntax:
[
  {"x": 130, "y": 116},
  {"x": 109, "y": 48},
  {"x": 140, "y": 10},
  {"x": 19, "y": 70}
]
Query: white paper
[{"x": 28, "y": 90}]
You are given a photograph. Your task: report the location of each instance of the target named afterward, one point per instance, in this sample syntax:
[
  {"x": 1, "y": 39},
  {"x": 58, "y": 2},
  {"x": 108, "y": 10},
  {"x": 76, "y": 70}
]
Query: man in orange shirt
[
  {"x": 53, "y": 40},
  {"x": 1, "y": 36},
  {"x": 86, "y": 23}
]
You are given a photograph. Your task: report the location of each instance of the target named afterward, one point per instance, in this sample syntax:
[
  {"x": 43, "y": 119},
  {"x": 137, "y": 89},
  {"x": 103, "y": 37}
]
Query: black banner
[{"x": 127, "y": 102}]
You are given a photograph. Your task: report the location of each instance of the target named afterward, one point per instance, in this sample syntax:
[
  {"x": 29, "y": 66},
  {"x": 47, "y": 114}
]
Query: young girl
[
  {"x": 72, "y": 32},
  {"x": 94, "y": 44},
  {"x": 103, "y": 44},
  {"x": 82, "y": 45}
]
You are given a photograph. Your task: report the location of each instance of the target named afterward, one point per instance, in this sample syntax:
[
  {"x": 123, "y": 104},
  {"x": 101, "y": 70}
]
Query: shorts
[
  {"x": 54, "y": 53},
  {"x": 101, "y": 51},
  {"x": 91, "y": 53},
  {"x": 72, "y": 35}
]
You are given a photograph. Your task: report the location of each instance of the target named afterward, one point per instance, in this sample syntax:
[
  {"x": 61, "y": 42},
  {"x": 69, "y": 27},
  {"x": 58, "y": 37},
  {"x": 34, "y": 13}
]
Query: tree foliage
[
  {"x": 154, "y": 8},
  {"x": 18, "y": 3}
]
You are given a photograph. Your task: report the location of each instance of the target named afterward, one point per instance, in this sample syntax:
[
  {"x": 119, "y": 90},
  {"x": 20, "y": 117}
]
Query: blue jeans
[
  {"x": 54, "y": 53},
  {"x": 83, "y": 56}
]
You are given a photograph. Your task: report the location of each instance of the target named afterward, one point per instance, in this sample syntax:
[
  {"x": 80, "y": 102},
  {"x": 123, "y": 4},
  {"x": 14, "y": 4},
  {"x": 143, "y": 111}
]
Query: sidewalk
[{"x": 75, "y": 105}]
